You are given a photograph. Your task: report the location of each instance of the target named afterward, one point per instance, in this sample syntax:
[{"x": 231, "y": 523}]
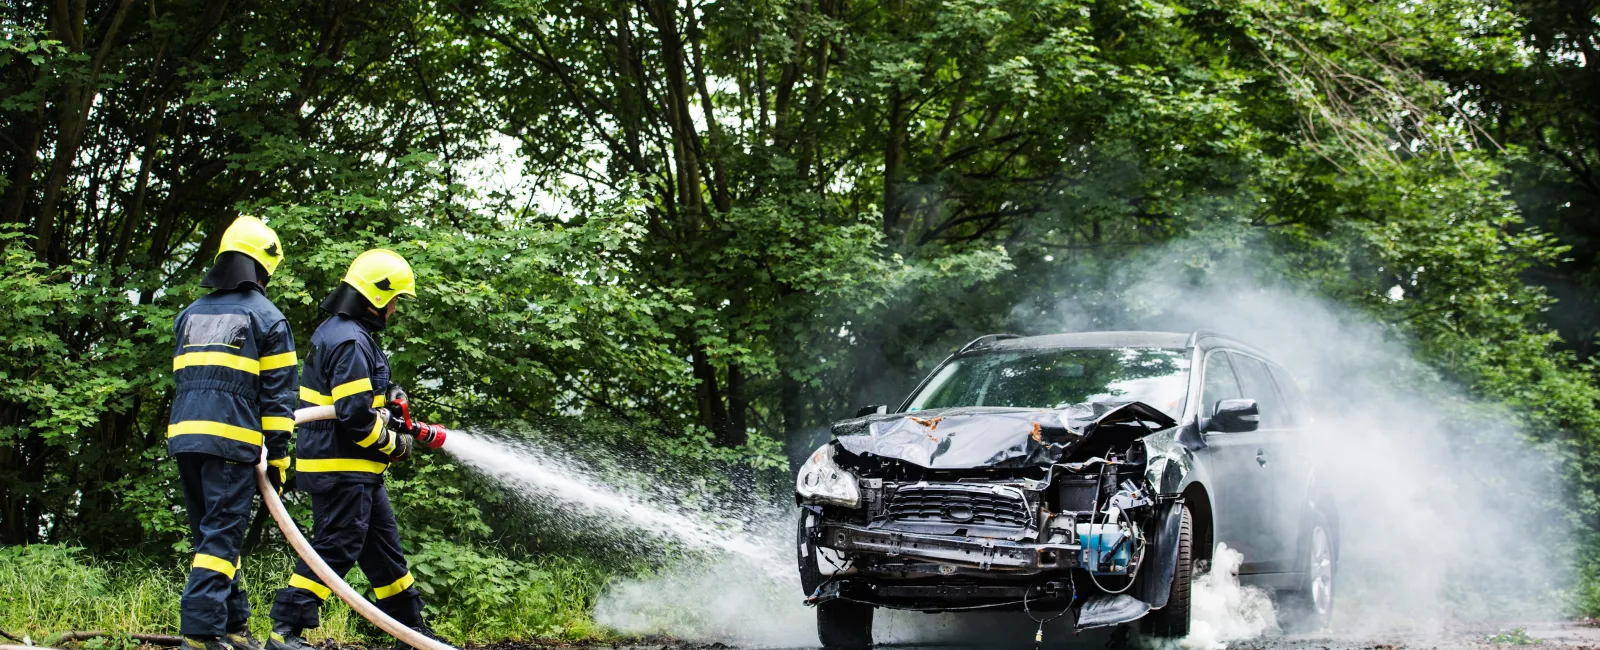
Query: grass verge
[{"x": 474, "y": 596}]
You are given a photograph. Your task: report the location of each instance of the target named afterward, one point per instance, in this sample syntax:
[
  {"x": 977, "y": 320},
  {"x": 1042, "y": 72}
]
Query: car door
[
  {"x": 1241, "y": 505},
  {"x": 1278, "y": 465},
  {"x": 1299, "y": 469}
]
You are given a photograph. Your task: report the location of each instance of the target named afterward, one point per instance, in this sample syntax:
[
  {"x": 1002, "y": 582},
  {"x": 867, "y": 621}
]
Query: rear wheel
[
  {"x": 844, "y": 625},
  {"x": 1172, "y": 621},
  {"x": 1310, "y": 608}
]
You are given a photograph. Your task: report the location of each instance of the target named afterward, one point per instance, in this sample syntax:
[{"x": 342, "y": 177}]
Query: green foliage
[
  {"x": 54, "y": 589},
  {"x": 473, "y": 595},
  {"x": 727, "y": 224},
  {"x": 478, "y": 596},
  {"x": 1517, "y": 636}
]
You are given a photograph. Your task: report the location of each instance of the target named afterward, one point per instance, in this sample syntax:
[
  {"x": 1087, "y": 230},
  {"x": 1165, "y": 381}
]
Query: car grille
[{"x": 954, "y": 503}]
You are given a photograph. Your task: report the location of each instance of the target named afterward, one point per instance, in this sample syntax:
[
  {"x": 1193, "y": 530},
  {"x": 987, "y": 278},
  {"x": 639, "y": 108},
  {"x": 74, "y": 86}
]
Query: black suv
[{"x": 1093, "y": 471}]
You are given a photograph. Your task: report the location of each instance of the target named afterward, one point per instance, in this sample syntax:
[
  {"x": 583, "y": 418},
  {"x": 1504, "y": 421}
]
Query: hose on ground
[{"x": 291, "y": 532}]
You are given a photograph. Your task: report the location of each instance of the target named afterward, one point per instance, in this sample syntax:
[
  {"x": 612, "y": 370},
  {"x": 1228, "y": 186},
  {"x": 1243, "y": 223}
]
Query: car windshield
[{"x": 1055, "y": 378}]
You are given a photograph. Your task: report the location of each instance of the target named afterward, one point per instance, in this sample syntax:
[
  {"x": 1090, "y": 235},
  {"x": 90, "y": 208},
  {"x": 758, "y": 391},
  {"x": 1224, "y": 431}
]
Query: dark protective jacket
[
  {"x": 345, "y": 369},
  {"x": 235, "y": 368}
]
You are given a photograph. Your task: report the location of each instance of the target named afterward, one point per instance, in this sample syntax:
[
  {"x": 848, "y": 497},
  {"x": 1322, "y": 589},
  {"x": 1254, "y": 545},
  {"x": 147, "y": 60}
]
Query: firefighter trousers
[
  {"x": 352, "y": 524},
  {"x": 217, "y": 494}
]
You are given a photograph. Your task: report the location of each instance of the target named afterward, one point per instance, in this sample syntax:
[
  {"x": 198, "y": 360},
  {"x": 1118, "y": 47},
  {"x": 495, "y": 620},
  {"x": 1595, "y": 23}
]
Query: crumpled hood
[{"x": 979, "y": 437}]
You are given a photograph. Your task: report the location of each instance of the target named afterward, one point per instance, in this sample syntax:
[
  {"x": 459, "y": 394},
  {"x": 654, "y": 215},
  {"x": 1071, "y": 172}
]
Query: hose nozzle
[{"x": 430, "y": 435}]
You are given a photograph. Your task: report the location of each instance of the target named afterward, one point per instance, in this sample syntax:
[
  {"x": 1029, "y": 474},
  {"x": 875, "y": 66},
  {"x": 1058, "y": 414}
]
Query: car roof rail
[{"x": 986, "y": 339}]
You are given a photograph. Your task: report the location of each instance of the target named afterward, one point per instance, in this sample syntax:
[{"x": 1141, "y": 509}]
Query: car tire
[
  {"x": 1309, "y": 608},
  {"x": 1172, "y": 621},
  {"x": 844, "y": 625}
]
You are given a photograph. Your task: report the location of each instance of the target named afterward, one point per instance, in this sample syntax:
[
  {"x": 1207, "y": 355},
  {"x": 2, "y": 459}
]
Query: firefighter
[
  {"x": 341, "y": 462},
  {"x": 234, "y": 365}
]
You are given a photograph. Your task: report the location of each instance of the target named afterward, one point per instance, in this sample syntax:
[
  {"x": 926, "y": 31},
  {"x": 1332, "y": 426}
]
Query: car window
[
  {"x": 1257, "y": 384},
  {"x": 1293, "y": 399},
  {"x": 1220, "y": 383},
  {"x": 1055, "y": 378}
]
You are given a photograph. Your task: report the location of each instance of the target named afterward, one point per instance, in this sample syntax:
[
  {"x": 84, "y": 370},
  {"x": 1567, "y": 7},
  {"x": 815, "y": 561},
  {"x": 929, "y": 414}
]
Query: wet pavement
[{"x": 1546, "y": 636}]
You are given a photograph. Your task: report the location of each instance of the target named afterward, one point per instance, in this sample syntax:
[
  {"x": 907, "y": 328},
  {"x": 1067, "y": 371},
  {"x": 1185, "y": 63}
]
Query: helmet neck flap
[
  {"x": 346, "y": 301},
  {"x": 233, "y": 270}
]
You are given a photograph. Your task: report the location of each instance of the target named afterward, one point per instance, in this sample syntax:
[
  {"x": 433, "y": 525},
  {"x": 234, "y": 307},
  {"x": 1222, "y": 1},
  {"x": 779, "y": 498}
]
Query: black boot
[
  {"x": 286, "y": 637},
  {"x": 425, "y": 630},
  {"x": 241, "y": 639},
  {"x": 204, "y": 643}
]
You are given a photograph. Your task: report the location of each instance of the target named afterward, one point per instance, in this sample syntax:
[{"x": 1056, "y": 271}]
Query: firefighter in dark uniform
[
  {"x": 235, "y": 392},
  {"x": 341, "y": 461}
]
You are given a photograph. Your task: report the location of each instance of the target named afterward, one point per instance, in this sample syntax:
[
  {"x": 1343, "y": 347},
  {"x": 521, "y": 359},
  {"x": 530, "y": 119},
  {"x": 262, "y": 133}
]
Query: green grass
[
  {"x": 474, "y": 596},
  {"x": 1517, "y": 636}
]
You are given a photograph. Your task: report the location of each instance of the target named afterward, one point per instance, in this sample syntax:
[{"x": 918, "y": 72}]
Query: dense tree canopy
[{"x": 731, "y": 222}]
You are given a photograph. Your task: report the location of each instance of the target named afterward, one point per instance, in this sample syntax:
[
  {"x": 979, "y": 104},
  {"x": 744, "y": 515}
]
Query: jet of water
[{"x": 546, "y": 475}]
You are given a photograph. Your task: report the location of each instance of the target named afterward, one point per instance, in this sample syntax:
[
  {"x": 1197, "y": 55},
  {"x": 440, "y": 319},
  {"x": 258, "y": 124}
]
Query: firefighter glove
[
  {"x": 396, "y": 394},
  {"x": 402, "y": 448},
  {"x": 278, "y": 472}
]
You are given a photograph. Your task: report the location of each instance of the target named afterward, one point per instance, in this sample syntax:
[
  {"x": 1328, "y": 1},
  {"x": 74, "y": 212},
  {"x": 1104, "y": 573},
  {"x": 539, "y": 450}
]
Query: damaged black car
[{"x": 1090, "y": 474}]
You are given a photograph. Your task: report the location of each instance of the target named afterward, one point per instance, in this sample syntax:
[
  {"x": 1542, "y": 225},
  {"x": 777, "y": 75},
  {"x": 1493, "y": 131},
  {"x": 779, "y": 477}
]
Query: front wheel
[
  {"x": 1172, "y": 621},
  {"x": 1310, "y": 608},
  {"x": 844, "y": 625}
]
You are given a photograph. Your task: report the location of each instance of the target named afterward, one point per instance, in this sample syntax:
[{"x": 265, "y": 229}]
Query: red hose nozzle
[{"x": 430, "y": 435}]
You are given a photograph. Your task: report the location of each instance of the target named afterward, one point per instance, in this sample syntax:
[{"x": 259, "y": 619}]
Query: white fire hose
[
  {"x": 291, "y": 532},
  {"x": 325, "y": 573}
]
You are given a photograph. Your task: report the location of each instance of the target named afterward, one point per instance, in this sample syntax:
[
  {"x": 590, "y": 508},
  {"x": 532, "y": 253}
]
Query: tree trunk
[
  {"x": 738, "y": 430},
  {"x": 708, "y": 397},
  {"x": 894, "y": 167}
]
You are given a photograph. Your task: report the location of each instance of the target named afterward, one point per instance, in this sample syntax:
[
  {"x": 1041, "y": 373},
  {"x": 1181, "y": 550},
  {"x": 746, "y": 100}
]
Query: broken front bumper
[{"x": 971, "y": 552}]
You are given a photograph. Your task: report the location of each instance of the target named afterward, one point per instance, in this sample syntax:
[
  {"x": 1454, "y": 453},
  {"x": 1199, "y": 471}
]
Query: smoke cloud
[{"x": 1448, "y": 515}]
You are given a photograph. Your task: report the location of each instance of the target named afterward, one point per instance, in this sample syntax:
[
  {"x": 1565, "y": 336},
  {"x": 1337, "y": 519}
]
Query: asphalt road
[{"x": 1545, "y": 636}]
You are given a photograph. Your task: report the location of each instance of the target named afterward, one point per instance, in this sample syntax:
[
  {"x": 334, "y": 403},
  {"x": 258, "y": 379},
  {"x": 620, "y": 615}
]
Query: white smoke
[
  {"x": 1446, "y": 512},
  {"x": 725, "y": 600},
  {"x": 1223, "y": 611},
  {"x": 1448, "y": 515}
]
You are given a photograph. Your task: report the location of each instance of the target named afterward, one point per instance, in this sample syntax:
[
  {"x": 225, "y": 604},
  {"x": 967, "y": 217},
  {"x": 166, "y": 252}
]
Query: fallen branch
[{"x": 84, "y": 635}]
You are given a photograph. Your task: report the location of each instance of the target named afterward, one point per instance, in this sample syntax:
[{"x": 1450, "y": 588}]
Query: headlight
[{"x": 822, "y": 481}]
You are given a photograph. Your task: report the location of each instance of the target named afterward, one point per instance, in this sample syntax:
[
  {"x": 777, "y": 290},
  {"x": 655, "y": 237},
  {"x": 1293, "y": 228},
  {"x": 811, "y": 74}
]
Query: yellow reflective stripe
[
  {"x": 223, "y": 359},
  {"x": 214, "y": 563},
  {"x": 377, "y": 430},
  {"x": 378, "y": 401},
  {"x": 349, "y": 388},
  {"x": 208, "y": 428},
  {"x": 395, "y": 587},
  {"x": 339, "y": 465},
  {"x": 276, "y": 361},
  {"x": 310, "y": 585},
  {"x": 274, "y": 423},
  {"x": 239, "y": 563},
  {"x": 315, "y": 397}
]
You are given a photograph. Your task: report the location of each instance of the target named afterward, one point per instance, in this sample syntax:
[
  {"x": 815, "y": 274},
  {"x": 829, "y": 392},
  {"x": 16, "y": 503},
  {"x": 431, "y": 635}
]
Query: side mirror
[
  {"x": 875, "y": 409},
  {"x": 1235, "y": 416}
]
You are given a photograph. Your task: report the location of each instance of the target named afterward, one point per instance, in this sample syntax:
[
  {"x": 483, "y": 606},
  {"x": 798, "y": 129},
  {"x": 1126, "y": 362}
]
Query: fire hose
[
  {"x": 431, "y": 435},
  {"x": 325, "y": 573}
]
